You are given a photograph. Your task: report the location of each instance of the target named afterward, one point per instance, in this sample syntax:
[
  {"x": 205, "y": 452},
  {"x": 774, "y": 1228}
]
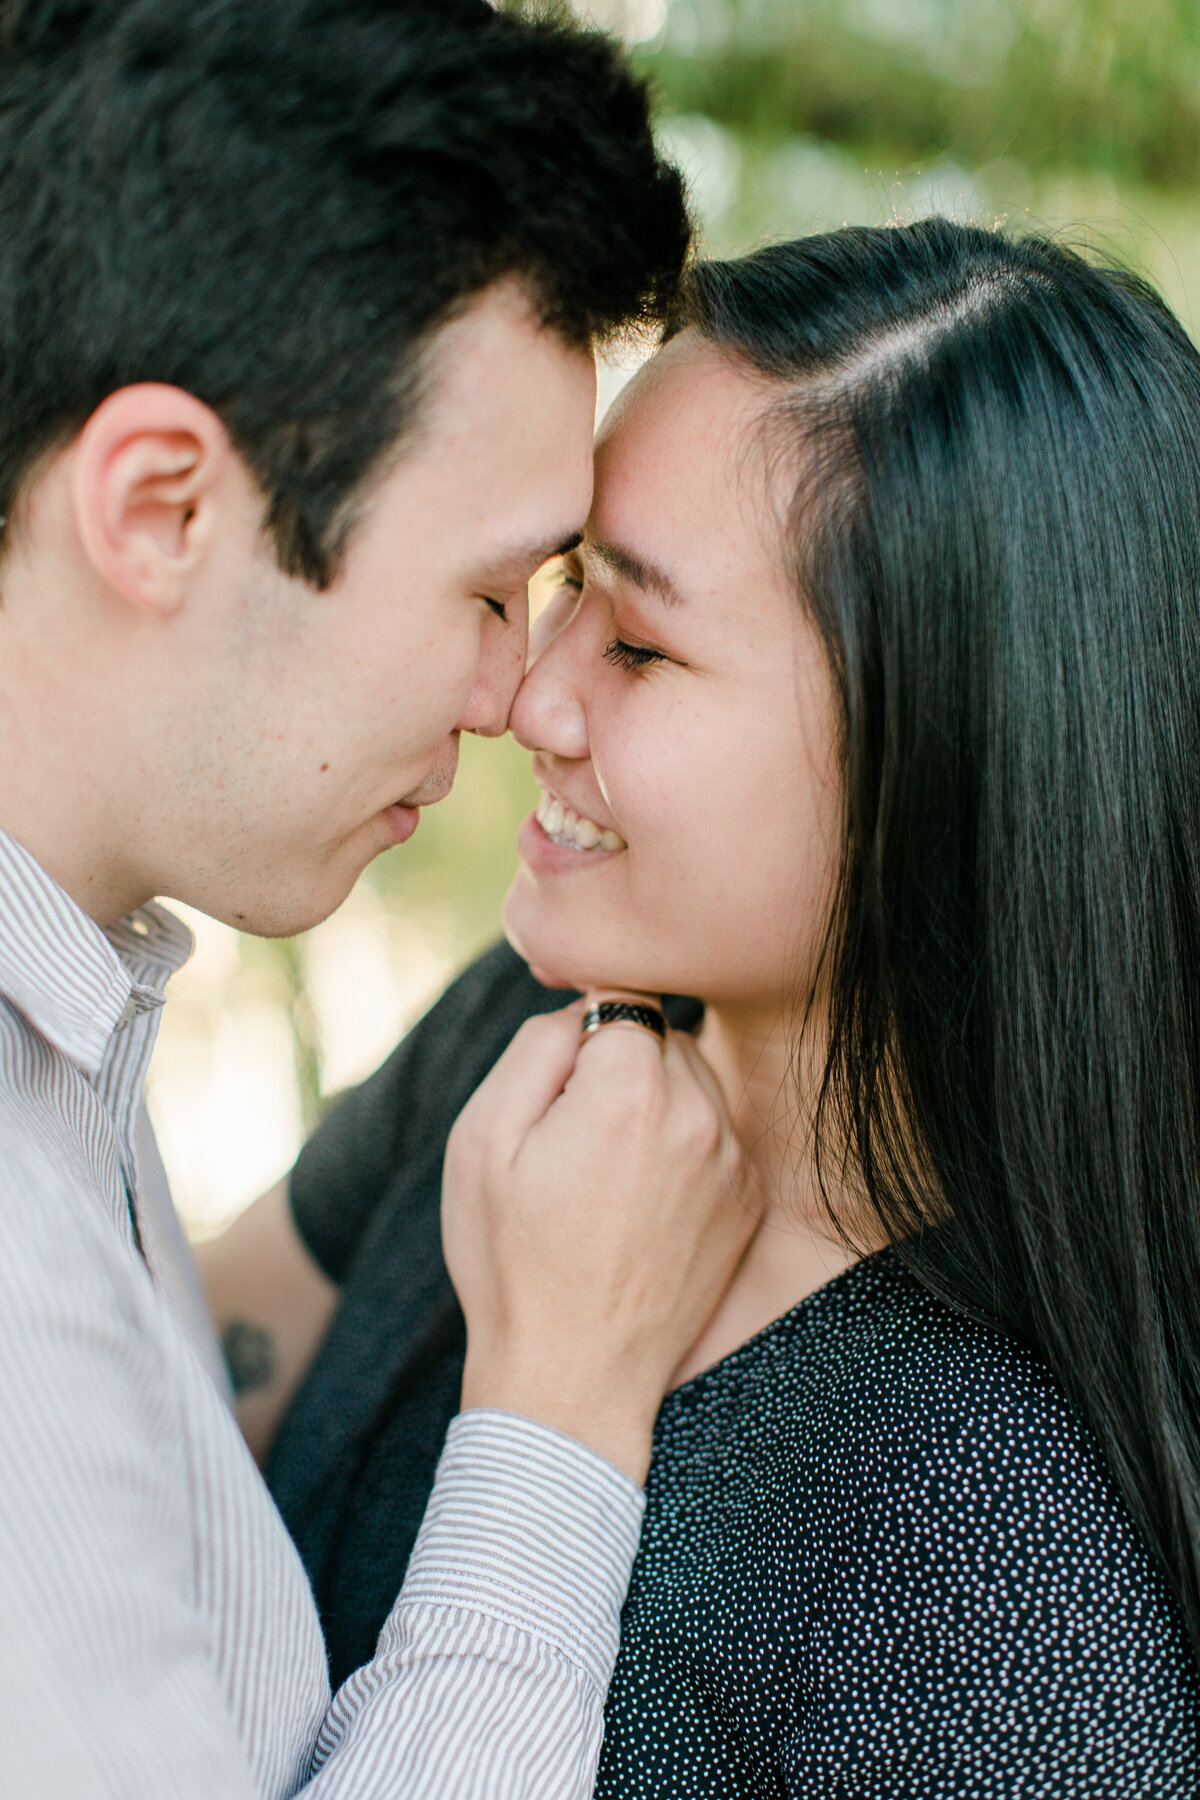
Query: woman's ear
[{"x": 149, "y": 471}]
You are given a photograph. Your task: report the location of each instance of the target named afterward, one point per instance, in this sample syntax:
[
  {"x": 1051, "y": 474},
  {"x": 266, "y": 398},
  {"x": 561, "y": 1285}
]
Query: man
[{"x": 297, "y": 300}]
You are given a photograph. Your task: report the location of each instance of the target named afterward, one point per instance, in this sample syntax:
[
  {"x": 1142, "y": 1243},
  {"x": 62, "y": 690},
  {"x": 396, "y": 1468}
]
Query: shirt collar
[{"x": 75, "y": 983}]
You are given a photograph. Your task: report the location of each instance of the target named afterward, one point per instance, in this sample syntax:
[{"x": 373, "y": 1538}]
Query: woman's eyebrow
[{"x": 636, "y": 569}]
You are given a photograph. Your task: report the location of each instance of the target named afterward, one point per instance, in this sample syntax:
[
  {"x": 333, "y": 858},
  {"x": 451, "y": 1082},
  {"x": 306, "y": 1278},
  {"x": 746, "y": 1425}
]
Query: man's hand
[{"x": 593, "y": 1213}]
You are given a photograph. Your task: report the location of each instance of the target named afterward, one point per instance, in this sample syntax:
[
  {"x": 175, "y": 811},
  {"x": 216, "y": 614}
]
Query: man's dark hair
[{"x": 274, "y": 204}]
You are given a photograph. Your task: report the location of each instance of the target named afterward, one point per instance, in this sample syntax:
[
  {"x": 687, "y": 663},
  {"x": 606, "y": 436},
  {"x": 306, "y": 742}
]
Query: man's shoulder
[
  {"x": 35, "y": 1172},
  {"x": 65, "y": 1273}
]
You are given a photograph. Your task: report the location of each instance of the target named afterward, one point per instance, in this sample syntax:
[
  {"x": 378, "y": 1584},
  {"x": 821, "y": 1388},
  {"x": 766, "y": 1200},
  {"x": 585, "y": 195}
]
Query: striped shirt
[{"x": 157, "y": 1632}]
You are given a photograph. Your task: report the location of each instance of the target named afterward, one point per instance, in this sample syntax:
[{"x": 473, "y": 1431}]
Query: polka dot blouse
[{"x": 881, "y": 1557}]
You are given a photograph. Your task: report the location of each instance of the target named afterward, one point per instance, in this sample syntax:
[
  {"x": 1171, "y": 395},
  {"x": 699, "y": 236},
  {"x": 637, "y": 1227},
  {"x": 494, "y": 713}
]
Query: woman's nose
[{"x": 548, "y": 712}]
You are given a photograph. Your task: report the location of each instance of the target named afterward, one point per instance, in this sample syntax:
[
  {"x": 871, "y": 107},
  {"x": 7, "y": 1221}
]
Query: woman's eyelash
[
  {"x": 619, "y": 653},
  {"x": 630, "y": 656}
]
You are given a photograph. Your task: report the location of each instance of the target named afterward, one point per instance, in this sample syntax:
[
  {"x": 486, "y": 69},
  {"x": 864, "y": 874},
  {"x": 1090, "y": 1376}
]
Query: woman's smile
[{"x": 570, "y": 830}]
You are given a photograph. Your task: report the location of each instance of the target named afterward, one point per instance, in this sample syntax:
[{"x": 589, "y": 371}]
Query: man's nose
[{"x": 502, "y": 664}]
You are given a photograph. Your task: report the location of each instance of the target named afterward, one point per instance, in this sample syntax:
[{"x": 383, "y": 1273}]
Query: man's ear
[{"x": 150, "y": 470}]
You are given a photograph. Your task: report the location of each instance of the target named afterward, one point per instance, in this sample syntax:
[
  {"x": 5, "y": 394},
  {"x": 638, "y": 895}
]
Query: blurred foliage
[{"x": 1106, "y": 85}]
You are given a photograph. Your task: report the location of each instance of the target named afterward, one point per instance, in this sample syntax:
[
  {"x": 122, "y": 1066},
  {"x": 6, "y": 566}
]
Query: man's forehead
[{"x": 494, "y": 345}]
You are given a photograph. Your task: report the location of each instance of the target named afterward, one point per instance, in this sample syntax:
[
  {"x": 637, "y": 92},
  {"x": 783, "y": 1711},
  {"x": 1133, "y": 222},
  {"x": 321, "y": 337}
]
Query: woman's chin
[
  {"x": 563, "y": 965},
  {"x": 549, "y": 970},
  {"x": 549, "y": 980}
]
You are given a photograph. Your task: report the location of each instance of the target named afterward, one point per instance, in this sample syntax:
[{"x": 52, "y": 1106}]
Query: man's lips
[{"x": 404, "y": 815}]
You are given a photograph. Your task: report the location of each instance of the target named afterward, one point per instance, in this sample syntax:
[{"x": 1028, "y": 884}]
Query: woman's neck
[{"x": 771, "y": 1096}]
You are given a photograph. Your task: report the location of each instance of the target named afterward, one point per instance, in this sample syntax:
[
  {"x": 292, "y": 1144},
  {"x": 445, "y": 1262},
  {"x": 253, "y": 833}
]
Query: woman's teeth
[{"x": 563, "y": 825}]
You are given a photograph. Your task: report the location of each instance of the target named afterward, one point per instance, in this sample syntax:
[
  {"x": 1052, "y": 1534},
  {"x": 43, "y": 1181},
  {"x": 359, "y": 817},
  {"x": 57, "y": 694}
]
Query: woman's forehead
[
  {"x": 685, "y": 377},
  {"x": 680, "y": 455}
]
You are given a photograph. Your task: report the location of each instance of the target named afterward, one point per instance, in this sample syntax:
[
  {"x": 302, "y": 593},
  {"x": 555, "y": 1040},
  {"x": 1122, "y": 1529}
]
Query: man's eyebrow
[
  {"x": 631, "y": 567},
  {"x": 520, "y": 560}
]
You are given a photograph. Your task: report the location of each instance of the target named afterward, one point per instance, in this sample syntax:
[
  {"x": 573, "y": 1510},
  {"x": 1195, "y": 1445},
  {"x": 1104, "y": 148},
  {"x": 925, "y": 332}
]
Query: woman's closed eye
[
  {"x": 631, "y": 656},
  {"x": 569, "y": 584}
]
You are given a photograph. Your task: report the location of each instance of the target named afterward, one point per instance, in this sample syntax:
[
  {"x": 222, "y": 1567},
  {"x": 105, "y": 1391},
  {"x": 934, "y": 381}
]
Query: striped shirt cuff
[{"x": 527, "y": 1526}]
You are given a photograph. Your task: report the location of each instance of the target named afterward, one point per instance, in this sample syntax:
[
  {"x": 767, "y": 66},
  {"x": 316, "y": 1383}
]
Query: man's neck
[
  {"x": 55, "y": 804},
  {"x": 100, "y": 895},
  {"x": 70, "y": 790}
]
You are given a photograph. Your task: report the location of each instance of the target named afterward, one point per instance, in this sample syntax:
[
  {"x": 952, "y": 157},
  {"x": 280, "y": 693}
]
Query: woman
[{"x": 868, "y": 713}]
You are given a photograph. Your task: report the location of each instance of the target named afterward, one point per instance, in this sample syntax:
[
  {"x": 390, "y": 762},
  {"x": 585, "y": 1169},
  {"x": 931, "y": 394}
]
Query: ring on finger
[{"x": 623, "y": 1012}]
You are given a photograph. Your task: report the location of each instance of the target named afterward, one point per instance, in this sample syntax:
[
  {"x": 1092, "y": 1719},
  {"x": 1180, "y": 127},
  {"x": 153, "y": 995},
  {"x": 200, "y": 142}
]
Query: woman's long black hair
[{"x": 997, "y": 528}]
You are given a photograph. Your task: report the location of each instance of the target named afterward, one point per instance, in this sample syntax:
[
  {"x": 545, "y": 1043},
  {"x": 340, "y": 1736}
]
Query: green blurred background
[{"x": 1080, "y": 117}]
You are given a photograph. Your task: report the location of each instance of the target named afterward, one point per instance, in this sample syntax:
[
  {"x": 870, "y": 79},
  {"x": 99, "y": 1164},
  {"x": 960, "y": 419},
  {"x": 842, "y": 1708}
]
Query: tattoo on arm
[{"x": 250, "y": 1356}]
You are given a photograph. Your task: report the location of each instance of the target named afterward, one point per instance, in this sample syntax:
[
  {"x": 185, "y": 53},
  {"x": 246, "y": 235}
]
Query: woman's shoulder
[
  {"x": 875, "y": 1415},
  {"x": 907, "y": 1504},
  {"x": 890, "y": 1347},
  {"x": 879, "y": 1337},
  {"x": 878, "y": 1375},
  {"x": 882, "y": 1437}
]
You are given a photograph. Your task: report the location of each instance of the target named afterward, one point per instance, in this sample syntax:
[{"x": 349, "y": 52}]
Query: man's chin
[
  {"x": 279, "y": 907},
  {"x": 272, "y": 920}
]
